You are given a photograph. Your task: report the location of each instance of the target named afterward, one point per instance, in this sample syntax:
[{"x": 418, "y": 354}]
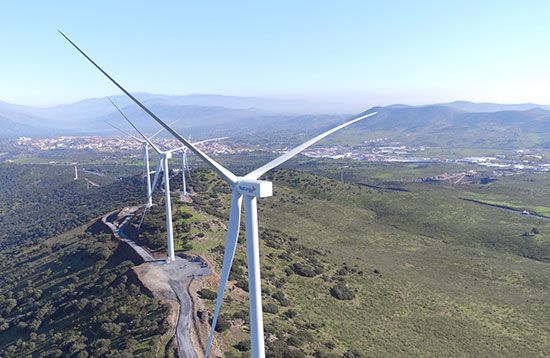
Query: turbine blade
[
  {"x": 142, "y": 217},
  {"x": 217, "y": 167},
  {"x": 228, "y": 255},
  {"x": 156, "y": 178},
  {"x": 162, "y": 129},
  {"x": 190, "y": 177},
  {"x": 209, "y": 140},
  {"x": 188, "y": 168},
  {"x": 176, "y": 149},
  {"x": 133, "y": 136},
  {"x": 136, "y": 128},
  {"x": 255, "y": 174}
]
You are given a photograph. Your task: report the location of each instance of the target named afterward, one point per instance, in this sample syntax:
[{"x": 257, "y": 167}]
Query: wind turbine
[
  {"x": 145, "y": 155},
  {"x": 164, "y": 156},
  {"x": 75, "y": 173},
  {"x": 249, "y": 188}
]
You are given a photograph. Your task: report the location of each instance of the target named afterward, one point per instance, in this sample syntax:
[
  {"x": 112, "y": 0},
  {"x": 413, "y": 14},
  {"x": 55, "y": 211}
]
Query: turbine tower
[
  {"x": 75, "y": 173},
  {"x": 184, "y": 167},
  {"x": 248, "y": 188},
  {"x": 164, "y": 156}
]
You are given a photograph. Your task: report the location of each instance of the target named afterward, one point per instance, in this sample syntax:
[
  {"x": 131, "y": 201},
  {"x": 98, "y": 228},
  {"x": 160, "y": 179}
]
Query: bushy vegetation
[
  {"x": 73, "y": 295},
  {"x": 40, "y": 201},
  {"x": 207, "y": 294}
]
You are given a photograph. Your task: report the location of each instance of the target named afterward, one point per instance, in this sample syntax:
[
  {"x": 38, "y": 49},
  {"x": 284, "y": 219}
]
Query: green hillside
[
  {"x": 73, "y": 296},
  {"x": 38, "y": 201},
  {"x": 440, "y": 126},
  {"x": 348, "y": 268}
]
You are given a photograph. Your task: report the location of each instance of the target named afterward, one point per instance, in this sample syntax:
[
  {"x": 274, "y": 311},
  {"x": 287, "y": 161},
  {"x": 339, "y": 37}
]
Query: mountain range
[
  {"x": 459, "y": 123},
  {"x": 447, "y": 126}
]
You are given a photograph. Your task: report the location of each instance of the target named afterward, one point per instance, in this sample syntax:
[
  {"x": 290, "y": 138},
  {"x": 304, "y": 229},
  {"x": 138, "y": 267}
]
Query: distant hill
[
  {"x": 11, "y": 128},
  {"x": 440, "y": 125},
  {"x": 492, "y": 107},
  {"x": 457, "y": 123},
  {"x": 194, "y": 111}
]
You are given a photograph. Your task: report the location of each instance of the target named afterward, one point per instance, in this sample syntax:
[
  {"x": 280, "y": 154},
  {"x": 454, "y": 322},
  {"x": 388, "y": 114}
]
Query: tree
[{"x": 222, "y": 324}]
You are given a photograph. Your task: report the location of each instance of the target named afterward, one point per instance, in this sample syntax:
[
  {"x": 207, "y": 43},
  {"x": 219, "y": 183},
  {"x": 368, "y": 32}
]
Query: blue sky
[{"x": 357, "y": 52}]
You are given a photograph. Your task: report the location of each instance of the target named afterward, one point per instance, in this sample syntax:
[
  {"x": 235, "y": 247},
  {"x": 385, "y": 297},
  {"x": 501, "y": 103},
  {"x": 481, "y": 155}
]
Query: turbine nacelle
[{"x": 256, "y": 188}]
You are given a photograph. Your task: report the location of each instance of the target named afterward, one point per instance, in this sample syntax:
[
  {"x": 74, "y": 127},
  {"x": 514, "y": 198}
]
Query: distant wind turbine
[
  {"x": 145, "y": 145},
  {"x": 164, "y": 156},
  {"x": 250, "y": 188},
  {"x": 75, "y": 173}
]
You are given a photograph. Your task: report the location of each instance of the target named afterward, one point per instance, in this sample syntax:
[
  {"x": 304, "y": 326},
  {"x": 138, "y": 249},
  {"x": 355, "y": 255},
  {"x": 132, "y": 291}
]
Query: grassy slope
[{"x": 455, "y": 276}]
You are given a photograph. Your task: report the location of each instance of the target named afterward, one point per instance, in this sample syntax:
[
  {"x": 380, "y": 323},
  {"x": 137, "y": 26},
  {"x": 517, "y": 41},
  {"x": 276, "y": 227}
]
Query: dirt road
[{"x": 170, "y": 280}]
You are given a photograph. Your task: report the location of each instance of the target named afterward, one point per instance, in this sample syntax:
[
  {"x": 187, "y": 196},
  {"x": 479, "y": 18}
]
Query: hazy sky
[{"x": 359, "y": 52}]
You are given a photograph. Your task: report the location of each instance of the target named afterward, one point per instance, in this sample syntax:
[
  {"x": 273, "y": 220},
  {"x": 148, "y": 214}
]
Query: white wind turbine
[
  {"x": 145, "y": 146},
  {"x": 164, "y": 156},
  {"x": 250, "y": 188}
]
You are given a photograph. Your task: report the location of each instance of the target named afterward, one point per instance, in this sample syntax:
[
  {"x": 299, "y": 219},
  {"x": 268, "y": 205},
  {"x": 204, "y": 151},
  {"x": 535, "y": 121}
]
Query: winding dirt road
[{"x": 170, "y": 280}]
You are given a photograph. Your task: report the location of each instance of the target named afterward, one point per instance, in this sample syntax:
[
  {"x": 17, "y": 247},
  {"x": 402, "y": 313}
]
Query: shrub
[
  {"x": 291, "y": 313},
  {"x": 341, "y": 292},
  {"x": 217, "y": 249},
  {"x": 185, "y": 215},
  {"x": 208, "y": 294},
  {"x": 270, "y": 308},
  {"x": 279, "y": 296},
  {"x": 243, "y": 346},
  {"x": 295, "y": 341},
  {"x": 222, "y": 324},
  {"x": 279, "y": 349},
  {"x": 303, "y": 270},
  {"x": 236, "y": 272},
  {"x": 242, "y": 314},
  {"x": 242, "y": 284}
]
